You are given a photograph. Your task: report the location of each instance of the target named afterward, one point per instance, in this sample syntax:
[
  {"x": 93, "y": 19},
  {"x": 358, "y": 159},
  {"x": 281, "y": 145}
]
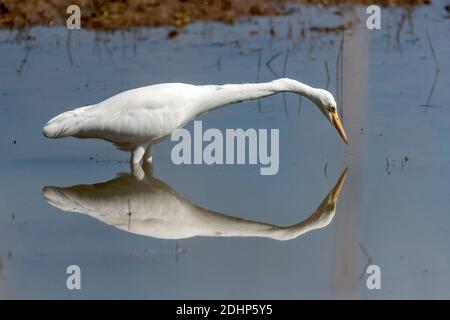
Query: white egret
[
  {"x": 141, "y": 204},
  {"x": 134, "y": 120}
]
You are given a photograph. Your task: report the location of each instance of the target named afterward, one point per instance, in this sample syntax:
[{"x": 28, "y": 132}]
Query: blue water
[{"x": 392, "y": 214}]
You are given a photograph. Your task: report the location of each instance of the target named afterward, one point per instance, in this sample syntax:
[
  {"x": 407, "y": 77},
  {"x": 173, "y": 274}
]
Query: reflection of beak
[
  {"x": 338, "y": 187},
  {"x": 338, "y": 125}
]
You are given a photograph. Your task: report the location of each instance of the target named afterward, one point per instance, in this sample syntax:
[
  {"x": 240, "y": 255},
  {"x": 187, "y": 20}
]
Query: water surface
[{"x": 393, "y": 211}]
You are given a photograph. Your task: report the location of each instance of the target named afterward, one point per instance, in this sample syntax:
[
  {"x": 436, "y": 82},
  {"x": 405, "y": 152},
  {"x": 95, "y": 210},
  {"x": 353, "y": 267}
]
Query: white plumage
[
  {"x": 136, "y": 119},
  {"x": 143, "y": 205}
]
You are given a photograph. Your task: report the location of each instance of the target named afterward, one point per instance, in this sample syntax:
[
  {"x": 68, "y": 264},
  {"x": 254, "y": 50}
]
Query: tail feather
[{"x": 66, "y": 124}]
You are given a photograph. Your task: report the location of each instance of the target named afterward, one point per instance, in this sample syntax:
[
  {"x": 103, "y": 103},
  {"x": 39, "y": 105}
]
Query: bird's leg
[
  {"x": 148, "y": 169},
  {"x": 148, "y": 154},
  {"x": 137, "y": 155},
  {"x": 137, "y": 171}
]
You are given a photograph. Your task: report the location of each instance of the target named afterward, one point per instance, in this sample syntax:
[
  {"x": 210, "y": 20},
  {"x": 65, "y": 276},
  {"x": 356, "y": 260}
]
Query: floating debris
[{"x": 172, "y": 34}]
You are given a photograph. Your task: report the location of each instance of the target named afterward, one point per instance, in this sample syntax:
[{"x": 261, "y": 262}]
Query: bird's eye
[{"x": 332, "y": 109}]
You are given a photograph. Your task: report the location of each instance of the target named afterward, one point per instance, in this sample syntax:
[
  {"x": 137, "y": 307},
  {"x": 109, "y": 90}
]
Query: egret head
[
  {"x": 325, "y": 102},
  {"x": 326, "y": 210}
]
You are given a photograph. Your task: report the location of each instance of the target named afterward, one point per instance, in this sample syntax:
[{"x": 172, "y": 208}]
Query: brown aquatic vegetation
[{"x": 124, "y": 14}]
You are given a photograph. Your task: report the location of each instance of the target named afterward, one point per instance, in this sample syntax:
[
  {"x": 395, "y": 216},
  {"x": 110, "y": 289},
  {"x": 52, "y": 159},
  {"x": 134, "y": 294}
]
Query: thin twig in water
[
  {"x": 24, "y": 60},
  {"x": 285, "y": 62},
  {"x": 270, "y": 61},
  {"x": 69, "y": 46},
  {"x": 299, "y": 109},
  {"x": 97, "y": 48},
  {"x": 389, "y": 29},
  {"x": 328, "y": 74},
  {"x": 258, "y": 72},
  {"x": 432, "y": 51},
  {"x": 325, "y": 170},
  {"x": 433, "y": 106},
  {"x": 399, "y": 31},
  {"x": 436, "y": 76},
  {"x": 365, "y": 251},
  {"x": 258, "y": 69},
  {"x": 286, "y": 111},
  {"x": 289, "y": 32},
  {"x": 219, "y": 67},
  {"x": 369, "y": 260}
]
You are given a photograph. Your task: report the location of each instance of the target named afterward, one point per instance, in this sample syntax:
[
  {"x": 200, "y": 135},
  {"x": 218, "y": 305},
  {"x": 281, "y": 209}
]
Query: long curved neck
[
  {"x": 198, "y": 221},
  {"x": 216, "y": 96}
]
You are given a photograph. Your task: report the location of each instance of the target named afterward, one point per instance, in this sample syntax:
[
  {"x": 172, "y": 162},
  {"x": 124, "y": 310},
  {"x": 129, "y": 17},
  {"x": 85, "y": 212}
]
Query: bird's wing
[
  {"x": 134, "y": 116},
  {"x": 151, "y": 112}
]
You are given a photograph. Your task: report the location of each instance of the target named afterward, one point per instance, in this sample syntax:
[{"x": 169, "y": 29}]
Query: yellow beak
[
  {"x": 338, "y": 125},
  {"x": 338, "y": 187}
]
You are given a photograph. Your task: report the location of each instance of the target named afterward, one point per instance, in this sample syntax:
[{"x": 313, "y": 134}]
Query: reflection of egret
[
  {"x": 141, "y": 204},
  {"x": 134, "y": 120}
]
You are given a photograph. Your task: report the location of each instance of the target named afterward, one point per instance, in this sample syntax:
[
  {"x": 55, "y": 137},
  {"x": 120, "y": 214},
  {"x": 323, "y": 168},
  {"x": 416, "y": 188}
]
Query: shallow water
[{"x": 394, "y": 209}]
